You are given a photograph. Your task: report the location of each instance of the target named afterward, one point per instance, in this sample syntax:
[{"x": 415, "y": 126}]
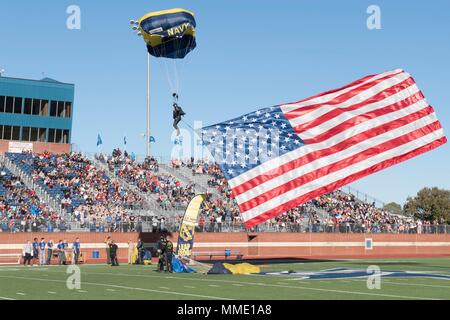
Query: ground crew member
[
  {"x": 113, "y": 254},
  {"x": 141, "y": 251},
  {"x": 161, "y": 248},
  {"x": 169, "y": 255},
  {"x": 108, "y": 253}
]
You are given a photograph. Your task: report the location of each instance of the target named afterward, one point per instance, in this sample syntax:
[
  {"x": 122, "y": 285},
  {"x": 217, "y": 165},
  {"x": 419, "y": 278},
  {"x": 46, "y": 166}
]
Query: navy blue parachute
[{"x": 169, "y": 33}]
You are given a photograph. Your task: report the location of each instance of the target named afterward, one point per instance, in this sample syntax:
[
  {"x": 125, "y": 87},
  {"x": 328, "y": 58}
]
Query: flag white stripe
[
  {"x": 341, "y": 174},
  {"x": 362, "y": 96},
  {"x": 331, "y": 96},
  {"x": 333, "y": 122},
  {"x": 344, "y": 135},
  {"x": 334, "y": 158}
]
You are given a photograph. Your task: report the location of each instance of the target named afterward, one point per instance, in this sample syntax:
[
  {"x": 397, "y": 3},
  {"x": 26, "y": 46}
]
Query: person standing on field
[
  {"x": 113, "y": 248},
  {"x": 130, "y": 252},
  {"x": 76, "y": 251},
  {"x": 61, "y": 253},
  {"x": 108, "y": 248},
  {"x": 42, "y": 247},
  {"x": 27, "y": 253},
  {"x": 50, "y": 245}
]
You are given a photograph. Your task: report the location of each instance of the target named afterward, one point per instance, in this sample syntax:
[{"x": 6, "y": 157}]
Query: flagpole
[{"x": 148, "y": 107}]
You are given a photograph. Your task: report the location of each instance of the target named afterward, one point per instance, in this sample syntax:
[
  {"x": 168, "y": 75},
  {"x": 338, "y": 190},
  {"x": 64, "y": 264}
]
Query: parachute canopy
[{"x": 169, "y": 33}]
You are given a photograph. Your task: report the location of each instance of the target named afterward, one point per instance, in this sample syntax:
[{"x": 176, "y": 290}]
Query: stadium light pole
[
  {"x": 138, "y": 32},
  {"x": 148, "y": 138}
]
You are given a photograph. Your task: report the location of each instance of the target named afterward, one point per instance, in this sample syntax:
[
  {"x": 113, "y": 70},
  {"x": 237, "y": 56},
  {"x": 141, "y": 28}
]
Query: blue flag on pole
[
  {"x": 152, "y": 139},
  {"x": 99, "y": 140}
]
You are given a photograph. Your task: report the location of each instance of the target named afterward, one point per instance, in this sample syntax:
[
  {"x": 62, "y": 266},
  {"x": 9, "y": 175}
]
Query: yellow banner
[{"x": 187, "y": 228}]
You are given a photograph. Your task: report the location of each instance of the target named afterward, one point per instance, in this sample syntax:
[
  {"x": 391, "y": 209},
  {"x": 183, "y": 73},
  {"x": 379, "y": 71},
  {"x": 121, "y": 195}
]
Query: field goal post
[{"x": 8, "y": 259}]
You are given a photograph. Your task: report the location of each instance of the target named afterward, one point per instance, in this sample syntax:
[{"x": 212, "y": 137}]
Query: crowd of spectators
[
  {"x": 86, "y": 192},
  {"x": 101, "y": 202},
  {"x": 21, "y": 210}
]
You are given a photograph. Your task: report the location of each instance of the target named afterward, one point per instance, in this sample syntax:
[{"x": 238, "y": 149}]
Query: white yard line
[
  {"x": 373, "y": 294},
  {"x": 5, "y": 298},
  {"x": 121, "y": 287},
  {"x": 409, "y": 283}
]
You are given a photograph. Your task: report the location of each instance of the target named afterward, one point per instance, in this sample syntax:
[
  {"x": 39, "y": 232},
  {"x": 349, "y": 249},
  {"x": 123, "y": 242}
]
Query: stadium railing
[{"x": 146, "y": 224}]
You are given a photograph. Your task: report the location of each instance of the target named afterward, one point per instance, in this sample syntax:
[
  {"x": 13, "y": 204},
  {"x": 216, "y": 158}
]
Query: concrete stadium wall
[
  {"x": 258, "y": 246},
  {"x": 40, "y": 147}
]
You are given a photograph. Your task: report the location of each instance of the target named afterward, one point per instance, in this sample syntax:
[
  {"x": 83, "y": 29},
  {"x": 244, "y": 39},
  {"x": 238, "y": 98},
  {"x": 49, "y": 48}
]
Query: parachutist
[{"x": 177, "y": 114}]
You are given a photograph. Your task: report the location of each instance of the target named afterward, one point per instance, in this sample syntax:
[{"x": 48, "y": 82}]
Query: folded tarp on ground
[
  {"x": 179, "y": 267},
  {"x": 218, "y": 268},
  {"x": 226, "y": 268}
]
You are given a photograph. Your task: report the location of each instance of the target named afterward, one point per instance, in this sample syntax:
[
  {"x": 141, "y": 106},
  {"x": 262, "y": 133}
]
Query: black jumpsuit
[{"x": 177, "y": 114}]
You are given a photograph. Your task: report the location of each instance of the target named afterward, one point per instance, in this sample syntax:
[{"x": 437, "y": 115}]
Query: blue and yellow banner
[{"x": 187, "y": 228}]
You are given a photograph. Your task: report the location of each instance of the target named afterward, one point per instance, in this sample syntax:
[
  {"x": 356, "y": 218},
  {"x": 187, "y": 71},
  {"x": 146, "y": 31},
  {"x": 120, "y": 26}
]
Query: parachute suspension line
[{"x": 188, "y": 125}]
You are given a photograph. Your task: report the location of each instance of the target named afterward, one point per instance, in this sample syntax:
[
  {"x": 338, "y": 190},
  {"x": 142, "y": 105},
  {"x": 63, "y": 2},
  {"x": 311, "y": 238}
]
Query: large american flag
[{"x": 277, "y": 158}]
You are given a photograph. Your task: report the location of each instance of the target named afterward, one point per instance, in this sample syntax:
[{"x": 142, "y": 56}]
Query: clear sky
[{"x": 251, "y": 54}]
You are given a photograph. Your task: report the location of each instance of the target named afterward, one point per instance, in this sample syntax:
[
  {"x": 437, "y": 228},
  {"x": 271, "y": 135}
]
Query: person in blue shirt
[
  {"x": 76, "y": 251},
  {"x": 35, "y": 249},
  {"x": 50, "y": 245},
  {"x": 61, "y": 253},
  {"x": 42, "y": 245}
]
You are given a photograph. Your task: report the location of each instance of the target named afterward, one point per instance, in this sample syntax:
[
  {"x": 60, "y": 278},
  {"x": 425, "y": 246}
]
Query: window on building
[
  {"x": 16, "y": 133},
  {"x": 25, "y": 133},
  {"x": 53, "y": 108},
  {"x": 66, "y": 136},
  {"x": 60, "y": 109},
  {"x": 42, "y": 134},
  {"x": 28, "y": 106},
  {"x": 51, "y": 136},
  {"x": 36, "y": 106},
  {"x": 9, "y": 104},
  {"x": 44, "y": 108},
  {"x": 68, "y": 111},
  {"x": 58, "y": 136},
  {"x": 2, "y": 103},
  {"x": 34, "y": 134},
  {"x": 17, "y": 105},
  {"x": 7, "y": 131}
]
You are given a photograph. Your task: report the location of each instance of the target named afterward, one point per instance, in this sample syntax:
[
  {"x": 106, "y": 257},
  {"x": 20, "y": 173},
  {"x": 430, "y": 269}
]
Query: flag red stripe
[
  {"x": 388, "y": 126},
  {"x": 326, "y": 170},
  {"x": 338, "y": 111},
  {"x": 345, "y": 125},
  {"x": 338, "y": 184},
  {"x": 337, "y": 100}
]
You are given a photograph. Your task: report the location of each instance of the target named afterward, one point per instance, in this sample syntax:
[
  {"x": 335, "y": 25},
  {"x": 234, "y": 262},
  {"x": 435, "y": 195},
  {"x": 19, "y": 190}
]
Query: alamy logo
[
  {"x": 374, "y": 20},
  {"x": 374, "y": 278},
  {"x": 73, "y": 21},
  {"x": 74, "y": 280}
]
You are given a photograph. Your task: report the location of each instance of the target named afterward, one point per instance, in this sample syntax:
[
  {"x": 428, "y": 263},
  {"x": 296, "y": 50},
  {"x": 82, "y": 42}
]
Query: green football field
[{"x": 143, "y": 282}]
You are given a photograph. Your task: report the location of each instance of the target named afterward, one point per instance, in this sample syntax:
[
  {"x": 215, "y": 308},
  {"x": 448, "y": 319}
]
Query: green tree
[
  {"x": 429, "y": 204},
  {"x": 393, "y": 207}
]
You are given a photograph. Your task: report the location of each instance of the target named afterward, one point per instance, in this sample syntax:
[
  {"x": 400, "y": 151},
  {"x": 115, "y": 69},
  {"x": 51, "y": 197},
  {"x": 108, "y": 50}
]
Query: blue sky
[{"x": 250, "y": 54}]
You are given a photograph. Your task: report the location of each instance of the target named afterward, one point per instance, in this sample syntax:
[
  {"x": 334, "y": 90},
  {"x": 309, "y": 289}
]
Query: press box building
[{"x": 35, "y": 115}]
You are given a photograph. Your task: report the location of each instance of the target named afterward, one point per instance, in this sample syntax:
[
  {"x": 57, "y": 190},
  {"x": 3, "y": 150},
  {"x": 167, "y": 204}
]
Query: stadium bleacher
[{"x": 96, "y": 201}]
